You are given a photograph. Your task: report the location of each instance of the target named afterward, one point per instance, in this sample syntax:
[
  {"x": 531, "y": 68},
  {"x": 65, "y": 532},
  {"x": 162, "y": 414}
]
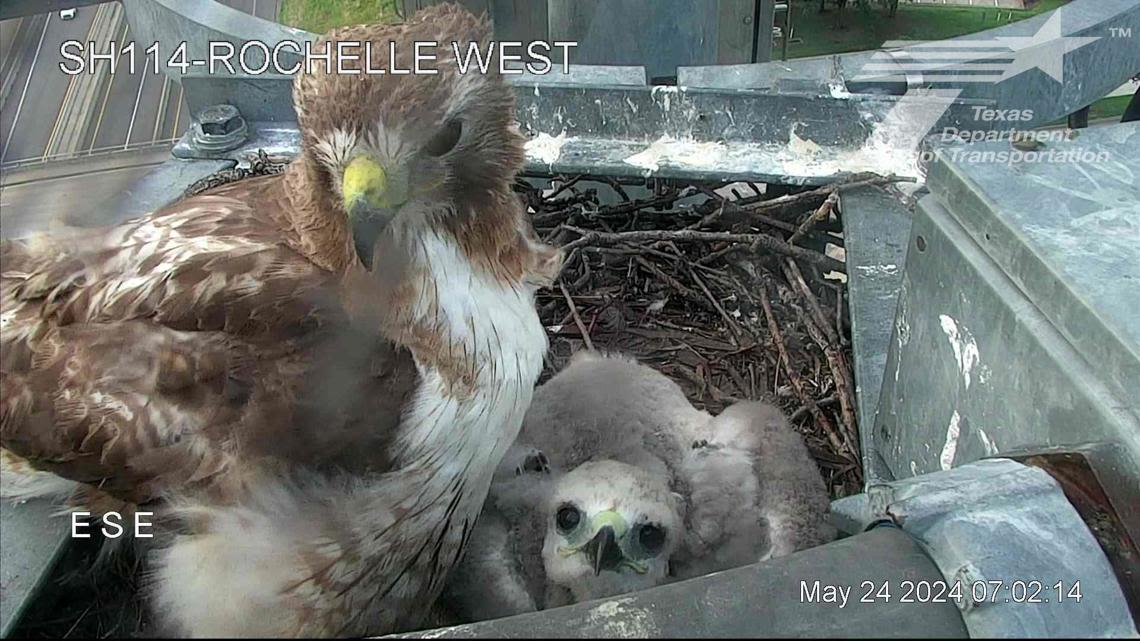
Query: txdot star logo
[{"x": 948, "y": 63}]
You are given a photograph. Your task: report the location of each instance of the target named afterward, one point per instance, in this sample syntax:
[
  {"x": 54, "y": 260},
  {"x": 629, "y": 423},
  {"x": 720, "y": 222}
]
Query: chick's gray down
[{"x": 617, "y": 483}]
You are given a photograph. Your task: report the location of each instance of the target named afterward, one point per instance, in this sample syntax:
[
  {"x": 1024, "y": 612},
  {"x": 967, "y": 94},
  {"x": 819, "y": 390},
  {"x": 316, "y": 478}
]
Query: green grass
[
  {"x": 319, "y": 16},
  {"x": 856, "y": 30},
  {"x": 1109, "y": 107}
]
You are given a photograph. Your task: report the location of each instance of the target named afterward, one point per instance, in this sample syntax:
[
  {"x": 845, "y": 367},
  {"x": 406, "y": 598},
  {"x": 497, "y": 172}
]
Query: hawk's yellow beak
[
  {"x": 372, "y": 196},
  {"x": 365, "y": 183}
]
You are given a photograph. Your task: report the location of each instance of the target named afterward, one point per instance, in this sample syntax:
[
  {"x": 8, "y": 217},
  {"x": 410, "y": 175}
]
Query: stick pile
[{"x": 723, "y": 290}]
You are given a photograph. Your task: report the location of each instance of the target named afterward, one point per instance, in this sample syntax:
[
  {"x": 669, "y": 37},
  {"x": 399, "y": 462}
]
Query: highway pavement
[{"x": 46, "y": 114}]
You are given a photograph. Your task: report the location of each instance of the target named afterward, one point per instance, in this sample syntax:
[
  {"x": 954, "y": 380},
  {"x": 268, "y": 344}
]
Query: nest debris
[{"x": 735, "y": 296}]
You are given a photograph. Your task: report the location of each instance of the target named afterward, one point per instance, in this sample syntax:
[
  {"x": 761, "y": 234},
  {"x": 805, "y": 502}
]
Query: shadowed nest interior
[{"x": 734, "y": 291}]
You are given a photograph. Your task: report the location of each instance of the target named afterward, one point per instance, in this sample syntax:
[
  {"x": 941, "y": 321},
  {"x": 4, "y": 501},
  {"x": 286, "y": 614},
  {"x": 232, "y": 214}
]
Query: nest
[{"x": 735, "y": 292}]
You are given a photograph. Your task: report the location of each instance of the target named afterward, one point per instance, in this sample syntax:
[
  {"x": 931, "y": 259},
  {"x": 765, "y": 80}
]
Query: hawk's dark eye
[
  {"x": 446, "y": 139},
  {"x": 651, "y": 538},
  {"x": 568, "y": 518}
]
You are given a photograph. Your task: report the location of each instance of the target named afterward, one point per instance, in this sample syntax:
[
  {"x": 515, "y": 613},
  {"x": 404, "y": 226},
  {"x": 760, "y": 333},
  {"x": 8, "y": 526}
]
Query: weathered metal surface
[
  {"x": 270, "y": 137},
  {"x": 762, "y": 600},
  {"x": 203, "y": 24},
  {"x": 218, "y": 128},
  {"x": 876, "y": 227},
  {"x": 1098, "y": 480},
  {"x": 159, "y": 188},
  {"x": 1017, "y": 319},
  {"x": 998, "y": 520},
  {"x": 580, "y": 127},
  {"x": 1113, "y": 55},
  {"x": 268, "y": 97},
  {"x": 792, "y": 134},
  {"x": 33, "y": 540},
  {"x": 1066, "y": 231}
]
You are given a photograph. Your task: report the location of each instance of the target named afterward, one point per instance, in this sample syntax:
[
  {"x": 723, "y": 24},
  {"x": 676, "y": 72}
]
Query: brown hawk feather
[
  {"x": 165, "y": 350},
  {"x": 323, "y": 432}
]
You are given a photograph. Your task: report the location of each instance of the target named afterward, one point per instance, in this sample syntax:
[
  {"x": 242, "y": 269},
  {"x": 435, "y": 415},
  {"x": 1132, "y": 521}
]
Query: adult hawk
[{"x": 311, "y": 375}]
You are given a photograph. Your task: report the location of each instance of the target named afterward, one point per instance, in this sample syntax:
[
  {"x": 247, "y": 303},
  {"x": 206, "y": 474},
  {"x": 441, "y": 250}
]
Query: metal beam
[{"x": 762, "y": 600}]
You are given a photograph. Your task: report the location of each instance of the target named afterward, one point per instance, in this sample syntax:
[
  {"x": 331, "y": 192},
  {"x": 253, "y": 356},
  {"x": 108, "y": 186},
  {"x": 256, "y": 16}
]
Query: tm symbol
[{"x": 1120, "y": 32}]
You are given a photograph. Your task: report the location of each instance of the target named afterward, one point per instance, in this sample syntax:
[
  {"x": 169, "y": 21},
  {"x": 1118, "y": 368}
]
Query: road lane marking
[
  {"x": 135, "y": 111},
  {"x": 27, "y": 81},
  {"x": 106, "y": 96},
  {"x": 57, "y": 128},
  {"x": 162, "y": 102},
  {"x": 10, "y": 61},
  {"x": 177, "y": 113}
]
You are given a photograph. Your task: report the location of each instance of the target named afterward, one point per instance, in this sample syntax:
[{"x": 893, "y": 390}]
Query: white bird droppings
[
  {"x": 546, "y": 148},
  {"x": 950, "y": 448},
  {"x": 987, "y": 443},
  {"x": 678, "y": 152},
  {"x": 620, "y": 619},
  {"x": 964, "y": 346}
]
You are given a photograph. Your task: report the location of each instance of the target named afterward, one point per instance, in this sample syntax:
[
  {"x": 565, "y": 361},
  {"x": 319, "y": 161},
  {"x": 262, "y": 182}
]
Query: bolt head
[{"x": 219, "y": 120}]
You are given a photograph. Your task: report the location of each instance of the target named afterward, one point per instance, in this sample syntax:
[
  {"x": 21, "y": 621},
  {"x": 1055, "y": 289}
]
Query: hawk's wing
[
  {"x": 166, "y": 350},
  {"x": 756, "y": 493}
]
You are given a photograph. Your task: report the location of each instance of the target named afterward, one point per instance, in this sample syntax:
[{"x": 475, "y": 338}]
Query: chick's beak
[
  {"x": 372, "y": 196},
  {"x": 603, "y": 550}
]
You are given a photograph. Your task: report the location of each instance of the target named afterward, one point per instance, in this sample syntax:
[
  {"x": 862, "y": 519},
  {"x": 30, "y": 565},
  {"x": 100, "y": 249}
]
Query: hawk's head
[
  {"x": 398, "y": 151},
  {"x": 611, "y": 528}
]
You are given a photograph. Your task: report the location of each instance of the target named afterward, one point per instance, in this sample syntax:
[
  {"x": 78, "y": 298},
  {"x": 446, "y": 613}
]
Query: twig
[
  {"x": 738, "y": 207},
  {"x": 751, "y": 242},
  {"x": 711, "y": 216},
  {"x": 796, "y": 278},
  {"x": 794, "y": 376},
  {"x": 577, "y": 319},
  {"x": 804, "y": 409},
  {"x": 672, "y": 282},
  {"x": 566, "y": 184},
  {"x": 858, "y": 180},
  {"x": 737, "y": 334},
  {"x": 824, "y": 336},
  {"x": 821, "y": 213}
]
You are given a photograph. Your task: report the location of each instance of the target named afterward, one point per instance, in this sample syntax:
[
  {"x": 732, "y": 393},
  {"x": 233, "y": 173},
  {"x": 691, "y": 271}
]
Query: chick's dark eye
[
  {"x": 568, "y": 518},
  {"x": 446, "y": 139},
  {"x": 651, "y": 538}
]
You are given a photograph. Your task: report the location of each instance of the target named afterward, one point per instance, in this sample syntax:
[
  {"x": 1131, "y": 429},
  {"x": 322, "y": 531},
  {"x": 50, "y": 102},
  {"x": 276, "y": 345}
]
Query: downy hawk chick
[{"x": 617, "y": 483}]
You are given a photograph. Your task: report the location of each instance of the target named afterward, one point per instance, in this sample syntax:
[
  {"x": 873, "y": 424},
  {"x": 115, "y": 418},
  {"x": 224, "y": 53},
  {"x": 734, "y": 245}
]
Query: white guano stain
[
  {"x": 802, "y": 146},
  {"x": 988, "y": 443},
  {"x": 965, "y": 347},
  {"x": 950, "y": 447},
  {"x": 620, "y": 619},
  {"x": 870, "y": 270},
  {"x": 546, "y": 148},
  {"x": 688, "y": 153}
]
